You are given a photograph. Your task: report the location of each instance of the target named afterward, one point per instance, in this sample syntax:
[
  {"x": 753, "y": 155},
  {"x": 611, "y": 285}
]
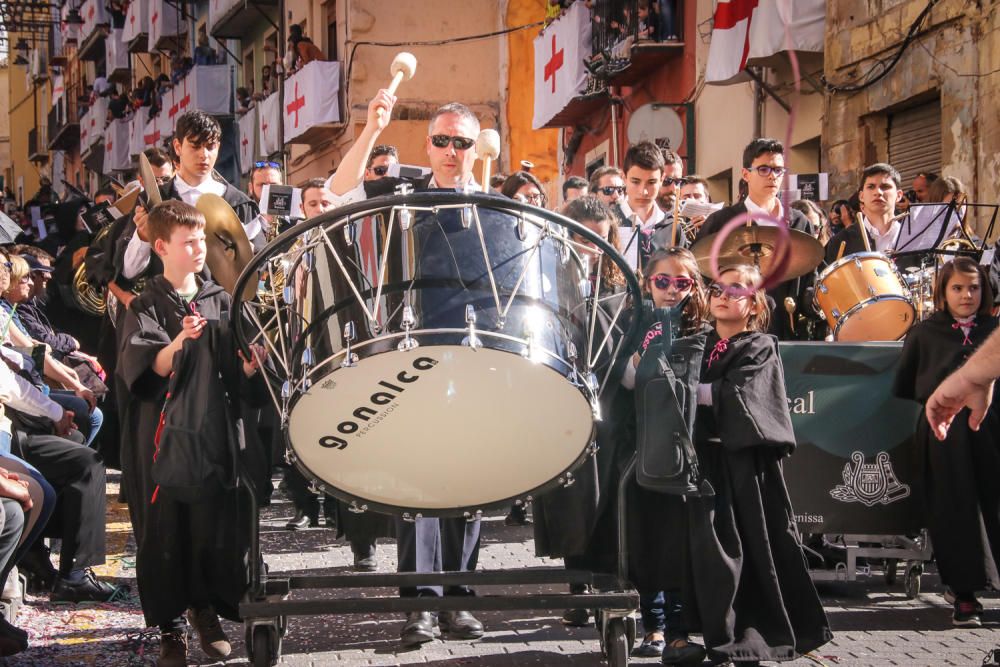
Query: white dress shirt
[
  {"x": 883, "y": 242},
  {"x": 757, "y": 212}
]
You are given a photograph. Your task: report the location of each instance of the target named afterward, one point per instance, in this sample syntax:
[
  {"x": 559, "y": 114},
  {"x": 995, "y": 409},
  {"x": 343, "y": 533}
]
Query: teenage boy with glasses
[
  {"x": 764, "y": 171},
  {"x": 426, "y": 544}
]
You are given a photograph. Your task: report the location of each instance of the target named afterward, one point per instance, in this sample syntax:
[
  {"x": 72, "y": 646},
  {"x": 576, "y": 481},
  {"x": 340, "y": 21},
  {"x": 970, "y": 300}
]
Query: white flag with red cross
[
  {"x": 311, "y": 98},
  {"x": 58, "y": 88},
  {"x": 136, "y": 21},
  {"x": 169, "y": 111},
  {"x": 115, "y": 51},
  {"x": 248, "y": 139},
  {"x": 151, "y": 134},
  {"x": 93, "y": 122},
  {"x": 165, "y": 20},
  {"x": 116, "y": 137},
  {"x": 93, "y": 14},
  {"x": 560, "y": 51},
  {"x": 136, "y": 130},
  {"x": 745, "y": 32},
  {"x": 269, "y": 115}
]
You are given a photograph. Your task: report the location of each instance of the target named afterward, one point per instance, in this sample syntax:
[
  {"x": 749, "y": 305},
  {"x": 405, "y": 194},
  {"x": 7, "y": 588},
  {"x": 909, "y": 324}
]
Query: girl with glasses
[
  {"x": 670, "y": 278},
  {"x": 747, "y": 579},
  {"x": 524, "y": 187}
]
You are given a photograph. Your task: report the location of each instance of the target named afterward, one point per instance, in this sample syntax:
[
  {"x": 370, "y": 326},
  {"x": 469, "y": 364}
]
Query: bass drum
[
  {"x": 864, "y": 299},
  {"x": 439, "y": 353}
]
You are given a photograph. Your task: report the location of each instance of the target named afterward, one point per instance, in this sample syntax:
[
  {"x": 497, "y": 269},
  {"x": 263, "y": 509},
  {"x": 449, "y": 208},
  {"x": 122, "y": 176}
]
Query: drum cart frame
[
  {"x": 914, "y": 552},
  {"x": 269, "y": 600},
  {"x": 267, "y": 605}
]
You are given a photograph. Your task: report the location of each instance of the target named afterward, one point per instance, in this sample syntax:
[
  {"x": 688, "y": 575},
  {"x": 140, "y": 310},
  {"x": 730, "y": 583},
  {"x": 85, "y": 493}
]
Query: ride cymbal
[
  {"x": 227, "y": 245},
  {"x": 755, "y": 245}
]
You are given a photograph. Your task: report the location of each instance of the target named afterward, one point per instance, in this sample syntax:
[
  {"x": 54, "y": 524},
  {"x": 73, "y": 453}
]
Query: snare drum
[
  {"x": 864, "y": 299},
  {"x": 438, "y": 353}
]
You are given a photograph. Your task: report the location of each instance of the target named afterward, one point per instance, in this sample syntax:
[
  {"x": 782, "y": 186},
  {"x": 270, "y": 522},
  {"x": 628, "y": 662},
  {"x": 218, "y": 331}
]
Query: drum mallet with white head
[
  {"x": 404, "y": 66},
  {"x": 488, "y": 149}
]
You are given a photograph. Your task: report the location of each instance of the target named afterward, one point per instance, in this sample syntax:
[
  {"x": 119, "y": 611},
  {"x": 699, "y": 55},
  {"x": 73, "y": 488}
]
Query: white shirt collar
[
  {"x": 754, "y": 209},
  {"x": 883, "y": 242},
  {"x": 191, "y": 193},
  {"x": 654, "y": 219}
]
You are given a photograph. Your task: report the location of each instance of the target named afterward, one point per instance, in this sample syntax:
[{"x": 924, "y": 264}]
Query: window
[{"x": 331, "y": 30}]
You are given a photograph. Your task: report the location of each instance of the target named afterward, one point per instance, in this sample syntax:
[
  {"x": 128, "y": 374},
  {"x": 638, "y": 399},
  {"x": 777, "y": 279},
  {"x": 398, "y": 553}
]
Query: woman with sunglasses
[
  {"x": 670, "y": 279},
  {"x": 525, "y": 187},
  {"x": 748, "y": 584}
]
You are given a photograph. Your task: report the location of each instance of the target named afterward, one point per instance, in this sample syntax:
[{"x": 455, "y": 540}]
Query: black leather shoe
[
  {"x": 36, "y": 564},
  {"x": 421, "y": 627},
  {"x": 12, "y": 640},
  {"x": 303, "y": 520},
  {"x": 88, "y": 589},
  {"x": 682, "y": 652},
  {"x": 460, "y": 625}
]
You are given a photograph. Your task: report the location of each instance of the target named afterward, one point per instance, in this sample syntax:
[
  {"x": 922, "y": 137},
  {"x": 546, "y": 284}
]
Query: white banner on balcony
[
  {"x": 217, "y": 9},
  {"x": 248, "y": 139},
  {"x": 116, "y": 51},
  {"x": 311, "y": 97},
  {"x": 136, "y": 130},
  {"x": 559, "y": 54},
  {"x": 136, "y": 21},
  {"x": 68, "y": 31},
  {"x": 93, "y": 14},
  {"x": 58, "y": 88},
  {"x": 93, "y": 122},
  {"x": 151, "y": 134},
  {"x": 208, "y": 88},
  {"x": 167, "y": 117},
  {"x": 165, "y": 20},
  {"x": 116, "y": 150},
  {"x": 270, "y": 116}
]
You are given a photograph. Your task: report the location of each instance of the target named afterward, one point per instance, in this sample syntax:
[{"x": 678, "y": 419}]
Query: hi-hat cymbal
[
  {"x": 227, "y": 245},
  {"x": 755, "y": 245}
]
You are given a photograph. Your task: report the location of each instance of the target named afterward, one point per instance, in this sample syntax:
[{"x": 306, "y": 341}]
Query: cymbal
[
  {"x": 127, "y": 203},
  {"x": 149, "y": 183},
  {"x": 227, "y": 245},
  {"x": 755, "y": 245}
]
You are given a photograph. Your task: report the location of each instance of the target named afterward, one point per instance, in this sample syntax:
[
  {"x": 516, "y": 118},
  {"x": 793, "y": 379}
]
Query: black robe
[
  {"x": 960, "y": 488},
  {"x": 192, "y": 554},
  {"x": 799, "y": 288},
  {"x": 749, "y": 588}
]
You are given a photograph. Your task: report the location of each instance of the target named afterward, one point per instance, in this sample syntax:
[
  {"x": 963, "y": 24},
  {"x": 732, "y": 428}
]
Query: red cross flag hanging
[
  {"x": 151, "y": 134},
  {"x": 136, "y": 21},
  {"x": 248, "y": 139},
  {"x": 136, "y": 132},
  {"x": 165, "y": 20},
  {"x": 747, "y": 32},
  {"x": 311, "y": 98},
  {"x": 269, "y": 115},
  {"x": 93, "y": 14},
  {"x": 116, "y": 51},
  {"x": 58, "y": 88},
  {"x": 116, "y": 139},
  {"x": 559, "y": 54}
]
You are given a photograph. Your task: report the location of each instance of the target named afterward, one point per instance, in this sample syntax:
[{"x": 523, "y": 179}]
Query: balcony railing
[
  {"x": 94, "y": 29},
  {"x": 38, "y": 150},
  {"x": 64, "y": 121},
  {"x": 629, "y": 42}
]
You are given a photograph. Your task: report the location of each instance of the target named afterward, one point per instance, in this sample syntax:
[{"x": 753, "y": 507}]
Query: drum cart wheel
[
  {"x": 890, "y": 570},
  {"x": 911, "y": 579},
  {"x": 263, "y": 638},
  {"x": 617, "y": 636}
]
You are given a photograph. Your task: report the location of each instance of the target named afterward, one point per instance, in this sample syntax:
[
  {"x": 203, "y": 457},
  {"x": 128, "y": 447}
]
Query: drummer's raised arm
[{"x": 351, "y": 171}]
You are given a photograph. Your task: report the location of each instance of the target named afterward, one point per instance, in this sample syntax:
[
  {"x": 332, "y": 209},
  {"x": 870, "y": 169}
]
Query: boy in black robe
[{"x": 190, "y": 556}]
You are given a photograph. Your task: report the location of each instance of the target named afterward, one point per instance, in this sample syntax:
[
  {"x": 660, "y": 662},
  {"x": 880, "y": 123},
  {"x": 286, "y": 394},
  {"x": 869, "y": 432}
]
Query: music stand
[{"x": 926, "y": 226}]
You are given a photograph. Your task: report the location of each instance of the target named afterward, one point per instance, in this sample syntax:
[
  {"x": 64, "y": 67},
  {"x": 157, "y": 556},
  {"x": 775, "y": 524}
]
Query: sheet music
[
  {"x": 925, "y": 227},
  {"x": 692, "y": 208}
]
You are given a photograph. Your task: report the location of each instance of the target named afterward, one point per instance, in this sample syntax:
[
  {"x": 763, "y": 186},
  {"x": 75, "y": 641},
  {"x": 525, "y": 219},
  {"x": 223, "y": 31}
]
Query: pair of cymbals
[
  {"x": 228, "y": 249},
  {"x": 756, "y": 245}
]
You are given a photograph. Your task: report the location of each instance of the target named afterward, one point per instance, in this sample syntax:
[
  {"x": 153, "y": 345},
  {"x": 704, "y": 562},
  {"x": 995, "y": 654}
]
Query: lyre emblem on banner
[{"x": 870, "y": 483}]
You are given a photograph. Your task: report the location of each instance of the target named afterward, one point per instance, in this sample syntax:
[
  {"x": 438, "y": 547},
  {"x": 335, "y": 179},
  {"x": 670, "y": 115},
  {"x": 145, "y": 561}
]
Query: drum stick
[
  {"x": 840, "y": 250},
  {"x": 864, "y": 232},
  {"x": 677, "y": 222},
  {"x": 404, "y": 66},
  {"x": 488, "y": 149}
]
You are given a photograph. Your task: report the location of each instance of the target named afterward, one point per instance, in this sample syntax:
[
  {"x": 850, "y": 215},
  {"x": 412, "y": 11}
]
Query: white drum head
[{"x": 440, "y": 427}]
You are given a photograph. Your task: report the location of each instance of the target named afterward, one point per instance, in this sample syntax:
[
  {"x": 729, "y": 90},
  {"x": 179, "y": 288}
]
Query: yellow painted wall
[
  {"x": 22, "y": 117},
  {"x": 538, "y": 146}
]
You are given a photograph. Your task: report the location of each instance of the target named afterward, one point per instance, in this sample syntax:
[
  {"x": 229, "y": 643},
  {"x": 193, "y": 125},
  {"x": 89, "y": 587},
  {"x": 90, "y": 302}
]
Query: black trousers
[
  {"x": 435, "y": 545},
  {"x": 76, "y": 472}
]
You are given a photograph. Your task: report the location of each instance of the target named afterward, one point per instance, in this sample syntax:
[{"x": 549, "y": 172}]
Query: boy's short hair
[
  {"x": 645, "y": 155},
  {"x": 198, "y": 128},
  {"x": 380, "y": 150},
  {"x": 880, "y": 168},
  {"x": 759, "y": 147},
  {"x": 168, "y": 216},
  {"x": 156, "y": 156},
  {"x": 573, "y": 183},
  {"x": 312, "y": 183}
]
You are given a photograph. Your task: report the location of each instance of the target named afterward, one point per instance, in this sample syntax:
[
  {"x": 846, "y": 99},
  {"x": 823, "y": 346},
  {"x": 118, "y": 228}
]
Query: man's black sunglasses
[
  {"x": 266, "y": 163},
  {"x": 609, "y": 190},
  {"x": 381, "y": 171},
  {"x": 460, "y": 143},
  {"x": 668, "y": 181}
]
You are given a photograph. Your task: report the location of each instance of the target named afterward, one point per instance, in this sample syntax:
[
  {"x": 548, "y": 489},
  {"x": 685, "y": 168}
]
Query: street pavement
[{"x": 874, "y": 624}]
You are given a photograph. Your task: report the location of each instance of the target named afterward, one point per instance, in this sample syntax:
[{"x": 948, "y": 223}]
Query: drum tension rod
[
  {"x": 472, "y": 340},
  {"x": 350, "y": 358},
  {"x": 407, "y": 323}
]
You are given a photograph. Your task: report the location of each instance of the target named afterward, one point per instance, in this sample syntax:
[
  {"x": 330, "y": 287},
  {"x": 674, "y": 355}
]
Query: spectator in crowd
[
  {"x": 316, "y": 199},
  {"x": 383, "y": 156},
  {"x": 673, "y": 178},
  {"x": 840, "y": 216},
  {"x": 262, "y": 228},
  {"x": 118, "y": 105},
  {"x": 816, "y": 217},
  {"x": 203, "y": 53},
  {"x": 244, "y": 99},
  {"x": 946, "y": 190},
  {"x": 921, "y": 185},
  {"x": 608, "y": 184},
  {"x": 496, "y": 182},
  {"x": 301, "y": 48},
  {"x": 573, "y": 188},
  {"x": 524, "y": 187}
]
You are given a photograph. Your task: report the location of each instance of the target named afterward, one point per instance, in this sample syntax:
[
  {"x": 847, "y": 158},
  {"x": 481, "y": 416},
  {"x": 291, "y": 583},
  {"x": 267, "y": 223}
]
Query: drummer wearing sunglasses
[
  {"x": 426, "y": 541},
  {"x": 450, "y": 147}
]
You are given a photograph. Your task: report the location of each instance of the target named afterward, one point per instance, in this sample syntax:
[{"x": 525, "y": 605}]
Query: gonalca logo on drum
[{"x": 367, "y": 417}]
